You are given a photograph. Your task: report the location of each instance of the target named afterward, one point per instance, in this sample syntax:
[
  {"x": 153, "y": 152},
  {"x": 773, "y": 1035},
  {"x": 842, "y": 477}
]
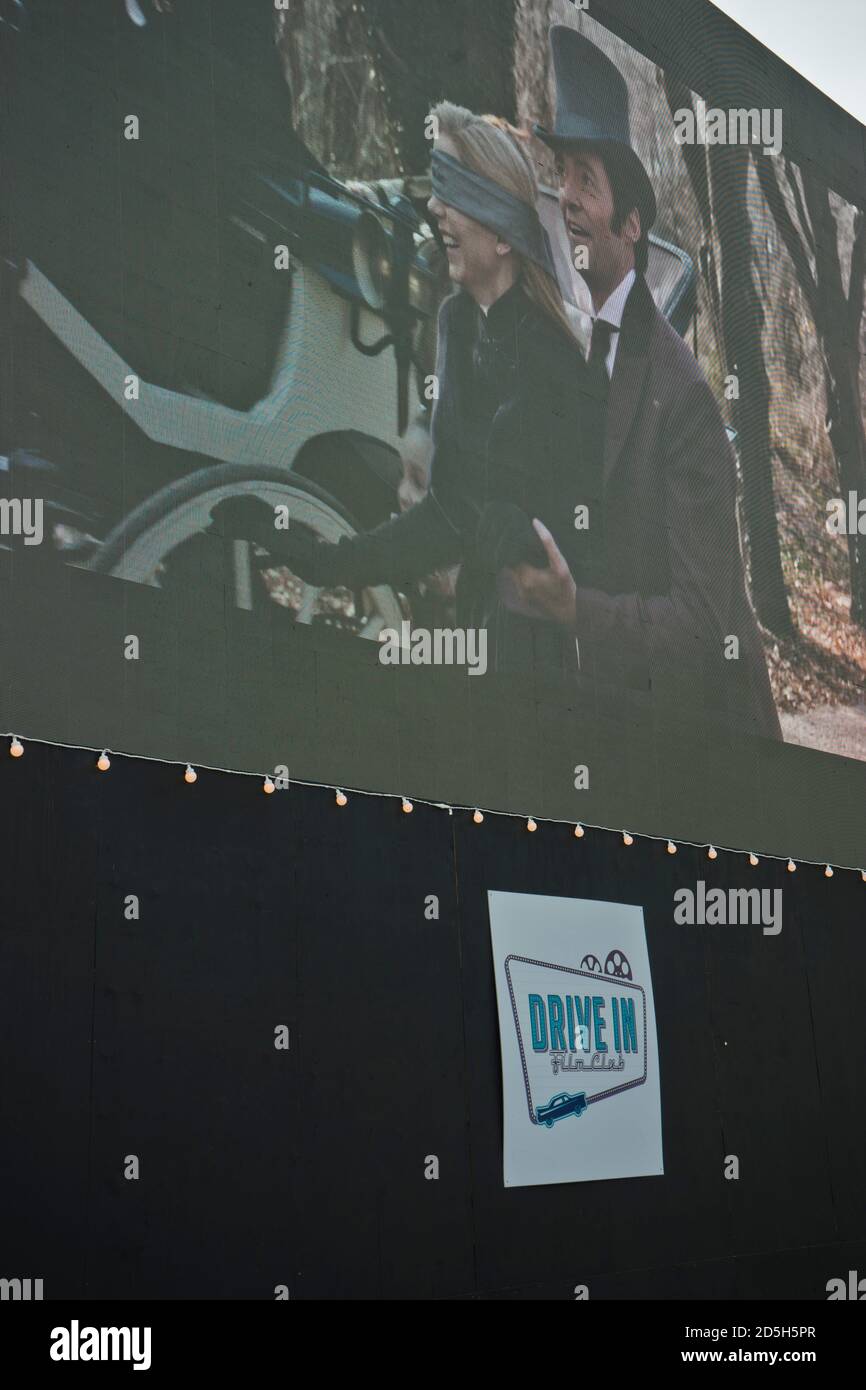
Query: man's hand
[{"x": 549, "y": 593}]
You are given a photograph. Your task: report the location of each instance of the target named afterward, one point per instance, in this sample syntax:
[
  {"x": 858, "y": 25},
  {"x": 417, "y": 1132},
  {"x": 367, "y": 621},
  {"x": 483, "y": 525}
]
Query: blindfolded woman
[{"x": 517, "y": 426}]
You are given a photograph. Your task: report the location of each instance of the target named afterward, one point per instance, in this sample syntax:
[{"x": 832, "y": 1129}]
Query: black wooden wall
[{"x": 305, "y": 1167}]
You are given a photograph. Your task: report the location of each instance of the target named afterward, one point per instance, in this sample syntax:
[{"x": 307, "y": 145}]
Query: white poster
[{"x": 577, "y": 1028}]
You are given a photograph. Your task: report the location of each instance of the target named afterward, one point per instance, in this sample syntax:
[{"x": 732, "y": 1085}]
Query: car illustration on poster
[{"x": 559, "y": 1107}]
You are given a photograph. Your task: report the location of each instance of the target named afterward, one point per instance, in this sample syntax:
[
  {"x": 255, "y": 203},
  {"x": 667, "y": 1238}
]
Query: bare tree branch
[
  {"x": 828, "y": 265},
  {"x": 857, "y": 282},
  {"x": 679, "y": 98},
  {"x": 794, "y": 186},
  {"x": 790, "y": 235},
  {"x": 695, "y": 158}
]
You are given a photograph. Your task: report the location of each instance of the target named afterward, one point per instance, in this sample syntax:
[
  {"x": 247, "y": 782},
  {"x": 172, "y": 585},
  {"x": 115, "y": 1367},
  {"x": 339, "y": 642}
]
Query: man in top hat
[{"x": 667, "y": 592}]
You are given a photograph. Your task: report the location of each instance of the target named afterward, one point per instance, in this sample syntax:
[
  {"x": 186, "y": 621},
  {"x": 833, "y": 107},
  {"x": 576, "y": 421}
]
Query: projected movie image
[{"x": 529, "y": 361}]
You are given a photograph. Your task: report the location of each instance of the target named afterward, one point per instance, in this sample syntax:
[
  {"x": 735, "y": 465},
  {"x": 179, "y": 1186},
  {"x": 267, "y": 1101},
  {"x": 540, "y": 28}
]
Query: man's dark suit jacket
[{"x": 668, "y": 587}]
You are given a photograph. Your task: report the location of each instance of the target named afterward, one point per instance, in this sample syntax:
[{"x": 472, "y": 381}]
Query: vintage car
[
  {"x": 335, "y": 434},
  {"x": 559, "y": 1107},
  {"x": 323, "y": 438}
]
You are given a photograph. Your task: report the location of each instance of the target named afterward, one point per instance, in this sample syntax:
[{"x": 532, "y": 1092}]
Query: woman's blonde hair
[{"x": 490, "y": 146}]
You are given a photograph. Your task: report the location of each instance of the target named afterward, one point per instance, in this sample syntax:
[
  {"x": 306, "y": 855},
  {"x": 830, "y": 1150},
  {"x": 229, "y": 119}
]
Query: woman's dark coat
[{"x": 517, "y": 433}]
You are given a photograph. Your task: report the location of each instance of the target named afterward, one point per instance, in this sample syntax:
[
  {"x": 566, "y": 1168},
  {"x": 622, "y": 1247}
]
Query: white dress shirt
[{"x": 612, "y": 311}]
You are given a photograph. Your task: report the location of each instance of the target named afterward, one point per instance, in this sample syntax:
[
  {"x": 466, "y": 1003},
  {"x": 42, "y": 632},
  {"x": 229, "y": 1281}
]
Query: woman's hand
[
  {"x": 246, "y": 517},
  {"x": 549, "y": 593}
]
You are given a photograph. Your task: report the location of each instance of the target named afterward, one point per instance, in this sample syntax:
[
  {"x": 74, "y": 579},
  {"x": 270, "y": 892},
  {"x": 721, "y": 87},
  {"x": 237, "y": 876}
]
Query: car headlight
[
  {"x": 425, "y": 274},
  {"x": 372, "y": 260}
]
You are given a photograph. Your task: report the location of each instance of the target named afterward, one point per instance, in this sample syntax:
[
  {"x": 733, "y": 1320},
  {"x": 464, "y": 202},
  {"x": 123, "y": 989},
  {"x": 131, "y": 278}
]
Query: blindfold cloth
[{"x": 493, "y": 206}]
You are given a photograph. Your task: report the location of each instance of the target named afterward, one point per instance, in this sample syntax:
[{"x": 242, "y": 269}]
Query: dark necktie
[
  {"x": 598, "y": 351},
  {"x": 599, "y": 387}
]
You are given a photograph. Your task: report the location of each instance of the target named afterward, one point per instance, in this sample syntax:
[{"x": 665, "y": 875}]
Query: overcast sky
[{"x": 825, "y": 40}]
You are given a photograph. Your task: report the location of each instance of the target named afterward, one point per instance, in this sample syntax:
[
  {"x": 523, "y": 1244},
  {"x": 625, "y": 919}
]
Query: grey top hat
[{"x": 592, "y": 105}]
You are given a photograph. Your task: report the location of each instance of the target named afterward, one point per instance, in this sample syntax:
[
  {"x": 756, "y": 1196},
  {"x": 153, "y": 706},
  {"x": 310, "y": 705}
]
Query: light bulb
[
  {"x": 103, "y": 762},
  {"x": 579, "y": 832},
  {"x": 190, "y": 775},
  {"x": 712, "y": 852},
  {"x": 792, "y": 867},
  {"x": 268, "y": 786},
  {"x": 478, "y": 818},
  {"x": 828, "y": 872},
  {"x": 753, "y": 860},
  {"x": 627, "y": 839},
  {"x": 341, "y": 798},
  {"x": 407, "y": 806},
  {"x": 531, "y": 825},
  {"x": 672, "y": 849},
  {"x": 16, "y": 748}
]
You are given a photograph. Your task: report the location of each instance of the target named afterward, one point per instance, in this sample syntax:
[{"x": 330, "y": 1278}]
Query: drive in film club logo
[{"x": 582, "y": 1043}]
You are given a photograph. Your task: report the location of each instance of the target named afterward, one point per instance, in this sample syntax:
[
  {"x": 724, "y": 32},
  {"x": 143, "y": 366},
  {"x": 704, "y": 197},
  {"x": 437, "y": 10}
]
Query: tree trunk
[
  {"x": 848, "y": 439},
  {"x": 743, "y": 324},
  {"x": 442, "y": 51},
  {"x": 838, "y": 321},
  {"x": 838, "y": 318}
]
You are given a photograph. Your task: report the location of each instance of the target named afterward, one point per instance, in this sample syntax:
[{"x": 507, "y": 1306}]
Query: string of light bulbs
[{"x": 341, "y": 797}]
